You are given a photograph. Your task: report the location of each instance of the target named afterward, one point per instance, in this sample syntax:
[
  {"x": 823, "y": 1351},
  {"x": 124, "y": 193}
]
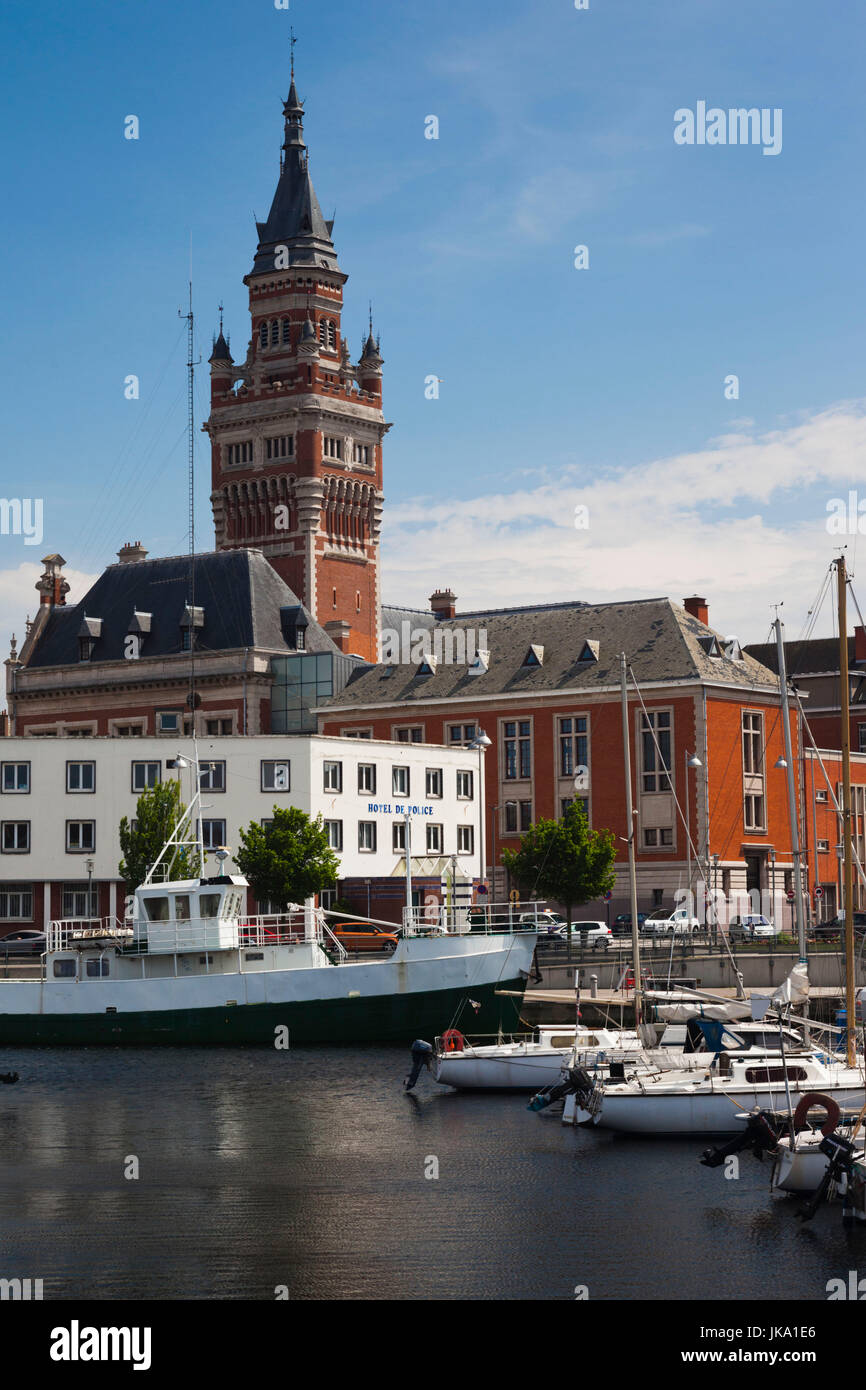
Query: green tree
[
  {"x": 157, "y": 813},
  {"x": 564, "y": 861},
  {"x": 288, "y": 860}
]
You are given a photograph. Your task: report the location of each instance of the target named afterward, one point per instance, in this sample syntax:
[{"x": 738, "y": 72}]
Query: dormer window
[
  {"x": 192, "y": 618},
  {"x": 589, "y": 651},
  {"x": 535, "y": 656},
  {"x": 480, "y": 664},
  {"x": 90, "y": 630},
  {"x": 710, "y": 646},
  {"x": 428, "y": 666}
]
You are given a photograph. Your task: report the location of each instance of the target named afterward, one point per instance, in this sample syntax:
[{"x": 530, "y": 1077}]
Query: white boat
[
  {"x": 527, "y": 1064},
  {"x": 189, "y": 966},
  {"x": 718, "y": 1101}
]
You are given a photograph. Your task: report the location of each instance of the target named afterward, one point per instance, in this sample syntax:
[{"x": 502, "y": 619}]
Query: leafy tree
[
  {"x": 564, "y": 861},
  {"x": 157, "y": 813},
  {"x": 288, "y": 860}
]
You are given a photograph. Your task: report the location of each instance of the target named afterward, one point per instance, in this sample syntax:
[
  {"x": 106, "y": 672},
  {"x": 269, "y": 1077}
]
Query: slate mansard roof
[
  {"x": 239, "y": 592},
  {"x": 663, "y": 642}
]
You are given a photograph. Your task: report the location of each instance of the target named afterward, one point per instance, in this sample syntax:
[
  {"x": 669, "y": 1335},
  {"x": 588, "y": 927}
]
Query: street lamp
[
  {"x": 88, "y": 864},
  {"x": 481, "y": 742},
  {"x": 692, "y": 761}
]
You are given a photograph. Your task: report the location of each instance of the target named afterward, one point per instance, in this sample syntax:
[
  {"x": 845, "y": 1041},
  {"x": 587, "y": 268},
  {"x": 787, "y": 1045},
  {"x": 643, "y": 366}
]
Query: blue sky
[{"x": 602, "y": 386}]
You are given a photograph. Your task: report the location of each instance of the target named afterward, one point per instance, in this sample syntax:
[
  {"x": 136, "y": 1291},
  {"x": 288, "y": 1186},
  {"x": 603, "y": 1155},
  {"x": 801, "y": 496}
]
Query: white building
[{"x": 62, "y": 800}]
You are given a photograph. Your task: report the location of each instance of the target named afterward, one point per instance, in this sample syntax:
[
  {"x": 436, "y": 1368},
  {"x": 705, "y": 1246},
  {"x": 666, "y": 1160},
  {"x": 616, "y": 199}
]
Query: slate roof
[
  {"x": 295, "y": 219},
  {"x": 240, "y": 592},
  {"x": 818, "y": 656},
  {"x": 662, "y": 641}
]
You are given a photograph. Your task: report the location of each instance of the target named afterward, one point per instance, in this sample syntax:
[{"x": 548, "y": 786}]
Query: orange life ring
[
  {"x": 452, "y": 1041},
  {"x": 826, "y": 1103}
]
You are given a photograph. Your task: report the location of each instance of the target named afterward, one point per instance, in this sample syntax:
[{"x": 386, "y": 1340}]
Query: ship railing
[
  {"x": 463, "y": 918},
  {"x": 273, "y": 929},
  {"x": 332, "y": 942},
  {"x": 69, "y": 933}
]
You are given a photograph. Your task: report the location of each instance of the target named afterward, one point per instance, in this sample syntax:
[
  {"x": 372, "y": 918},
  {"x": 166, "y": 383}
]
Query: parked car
[
  {"x": 23, "y": 943},
  {"x": 598, "y": 935},
  {"x": 547, "y": 921},
  {"x": 752, "y": 927},
  {"x": 622, "y": 923},
  {"x": 834, "y": 929},
  {"x": 363, "y": 936},
  {"x": 664, "y": 920}
]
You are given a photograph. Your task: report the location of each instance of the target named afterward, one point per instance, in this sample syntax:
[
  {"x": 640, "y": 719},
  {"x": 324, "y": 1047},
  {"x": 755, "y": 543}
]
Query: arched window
[
  {"x": 287, "y": 332},
  {"x": 323, "y": 332},
  {"x": 275, "y": 332},
  {"x": 263, "y": 334},
  {"x": 332, "y": 334}
]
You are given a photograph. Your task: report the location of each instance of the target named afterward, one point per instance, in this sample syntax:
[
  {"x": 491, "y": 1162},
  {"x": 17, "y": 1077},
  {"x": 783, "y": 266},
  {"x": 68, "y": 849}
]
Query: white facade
[{"x": 62, "y": 800}]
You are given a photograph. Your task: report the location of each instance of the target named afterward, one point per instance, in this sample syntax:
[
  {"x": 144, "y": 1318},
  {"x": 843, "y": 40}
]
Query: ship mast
[
  {"x": 631, "y": 814},
  {"x": 847, "y": 873}
]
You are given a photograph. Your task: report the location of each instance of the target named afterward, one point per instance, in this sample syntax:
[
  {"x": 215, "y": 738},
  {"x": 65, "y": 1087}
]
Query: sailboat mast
[
  {"x": 630, "y": 813},
  {"x": 847, "y": 872},
  {"x": 793, "y": 812}
]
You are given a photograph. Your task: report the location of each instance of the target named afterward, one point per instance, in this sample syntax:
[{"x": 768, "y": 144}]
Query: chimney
[
  {"x": 443, "y": 604},
  {"x": 51, "y": 585},
  {"x": 698, "y": 609},
  {"x": 339, "y": 632},
  {"x": 131, "y": 553},
  {"x": 860, "y": 645}
]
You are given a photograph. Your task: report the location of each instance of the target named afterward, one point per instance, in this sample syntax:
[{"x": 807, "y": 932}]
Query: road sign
[
  {"x": 819, "y": 891},
  {"x": 790, "y": 895},
  {"x": 608, "y": 895}
]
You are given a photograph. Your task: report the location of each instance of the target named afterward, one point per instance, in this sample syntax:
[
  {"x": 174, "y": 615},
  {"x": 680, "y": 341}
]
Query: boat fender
[
  {"x": 826, "y": 1103},
  {"x": 452, "y": 1040}
]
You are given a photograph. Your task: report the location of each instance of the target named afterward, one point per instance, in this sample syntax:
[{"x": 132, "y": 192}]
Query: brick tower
[{"x": 296, "y": 430}]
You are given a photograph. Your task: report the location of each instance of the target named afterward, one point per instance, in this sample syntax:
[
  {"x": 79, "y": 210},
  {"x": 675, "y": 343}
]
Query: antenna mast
[{"x": 191, "y": 366}]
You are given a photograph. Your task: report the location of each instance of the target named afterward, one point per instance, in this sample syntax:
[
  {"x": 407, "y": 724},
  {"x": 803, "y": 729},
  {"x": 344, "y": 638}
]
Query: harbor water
[{"x": 237, "y": 1173}]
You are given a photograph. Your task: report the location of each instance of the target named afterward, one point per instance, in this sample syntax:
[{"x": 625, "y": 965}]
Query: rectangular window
[
  {"x": 465, "y": 791},
  {"x": 216, "y": 727},
  {"x": 212, "y": 776},
  {"x": 367, "y": 778},
  {"x": 282, "y": 447},
  {"x": 213, "y": 834},
  {"x": 824, "y": 846},
  {"x": 80, "y": 777},
  {"x": 410, "y": 734},
  {"x": 573, "y": 745},
  {"x": 465, "y": 839},
  {"x": 97, "y": 969},
  {"x": 525, "y": 815},
  {"x": 461, "y": 733},
  {"x": 80, "y": 836},
  {"x": 276, "y": 776},
  {"x": 16, "y": 902},
  {"x": 656, "y": 751},
  {"x": 518, "y": 750},
  {"x": 76, "y": 900},
  {"x": 127, "y": 730},
  {"x": 398, "y": 837},
  {"x": 64, "y": 969},
  {"x": 168, "y": 721},
  {"x": 400, "y": 781},
  {"x": 15, "y": 777},
  {"x": 367, "y": 836},
  {"x": 15, "y": 836},
  {"x": 356, "y": 733},
  {"x": 433, "y": 781},
  {"x": 650, "y": 838},
  {"x": 145, "y": 775},
  {"x": 753, "y": 811},
  {"x": 753, "y": 759},
  {"x": 362, "y": 454},
  {"x": 434, "y": 839},
  {"x": 334, "y": 830},
  {"x": 332, "y": 447},
  {"x": 861, "y": 738},
  {"x": 510, "y": 817},
  {"x": 821, "y": 796},
  {"x": 240, "y": 453},
  {"x": 333, "y": 776}
]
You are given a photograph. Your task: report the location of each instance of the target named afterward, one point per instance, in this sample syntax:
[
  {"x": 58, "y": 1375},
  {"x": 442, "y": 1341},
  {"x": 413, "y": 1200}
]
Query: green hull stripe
[{"x": 392, "y": 1018}]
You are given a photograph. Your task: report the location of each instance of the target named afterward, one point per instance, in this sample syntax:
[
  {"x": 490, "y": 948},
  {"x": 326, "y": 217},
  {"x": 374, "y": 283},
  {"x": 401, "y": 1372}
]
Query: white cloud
[{"x": 742, "y": 520}]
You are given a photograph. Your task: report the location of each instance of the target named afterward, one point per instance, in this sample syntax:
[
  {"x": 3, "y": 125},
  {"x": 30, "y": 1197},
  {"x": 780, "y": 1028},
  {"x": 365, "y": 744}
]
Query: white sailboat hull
[{"x": 698, "y": 1110}]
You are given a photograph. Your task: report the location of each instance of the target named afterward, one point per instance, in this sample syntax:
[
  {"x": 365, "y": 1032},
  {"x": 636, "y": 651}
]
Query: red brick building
[{"x": 545, "y": 688}]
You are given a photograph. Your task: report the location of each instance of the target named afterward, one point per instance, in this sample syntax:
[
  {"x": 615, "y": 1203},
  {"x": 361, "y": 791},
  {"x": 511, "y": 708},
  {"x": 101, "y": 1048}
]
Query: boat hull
[
  {"x": 697, "y": 1112},
  {"x": 521, "y": 1071},
  {"x": 422, "y": 990}
]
